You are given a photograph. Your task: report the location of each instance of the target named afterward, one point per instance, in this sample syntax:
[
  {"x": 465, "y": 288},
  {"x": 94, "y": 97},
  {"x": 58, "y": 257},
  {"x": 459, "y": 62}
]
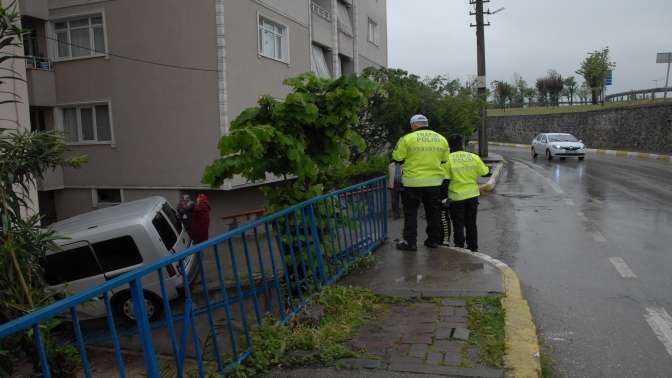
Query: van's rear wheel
[
  {"x": 122, "y": 304},
  {"x": 534, "y": 153}
]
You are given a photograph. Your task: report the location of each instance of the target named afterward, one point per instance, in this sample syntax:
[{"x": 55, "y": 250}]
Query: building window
[
  {"x": 343, "y": 17},
  {"x": 319, "y": 62},
  {"x": 374, "y": 36},
  {"x": 273, "y": 41},
  {"x": 87, "y": 123},
  {"x": 107, "y": 197},
  {"x": 80, "y": 37}
]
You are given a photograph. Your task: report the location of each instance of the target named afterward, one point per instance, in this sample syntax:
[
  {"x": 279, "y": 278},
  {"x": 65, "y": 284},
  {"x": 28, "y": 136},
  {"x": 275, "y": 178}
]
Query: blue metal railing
[{"x": 269, "y": 267}]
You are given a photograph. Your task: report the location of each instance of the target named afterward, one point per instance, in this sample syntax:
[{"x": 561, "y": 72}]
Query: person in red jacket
[{"x": 200, "y": 222}]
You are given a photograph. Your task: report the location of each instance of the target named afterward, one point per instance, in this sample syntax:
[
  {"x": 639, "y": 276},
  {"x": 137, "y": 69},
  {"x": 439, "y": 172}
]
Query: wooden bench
[{"x": 247, "y": 215}]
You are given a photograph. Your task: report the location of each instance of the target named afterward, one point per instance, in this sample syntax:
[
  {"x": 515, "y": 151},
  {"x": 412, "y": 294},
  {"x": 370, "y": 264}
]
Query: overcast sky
[{"x": 431, "y": 37}]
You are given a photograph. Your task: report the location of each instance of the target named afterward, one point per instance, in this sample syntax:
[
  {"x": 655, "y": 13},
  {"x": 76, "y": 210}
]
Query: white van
[{"x": 106, "y": 243}]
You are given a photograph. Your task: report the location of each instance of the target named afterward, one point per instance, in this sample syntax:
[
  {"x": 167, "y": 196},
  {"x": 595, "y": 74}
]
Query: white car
[{"x": 557, "y": 144}]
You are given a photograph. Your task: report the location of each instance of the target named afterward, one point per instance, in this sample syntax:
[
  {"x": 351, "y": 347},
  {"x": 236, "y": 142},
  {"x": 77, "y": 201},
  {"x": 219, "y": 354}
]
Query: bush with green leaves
[
  {"x": 451, "y": 108},
  {"x": 306, "y": 139}
]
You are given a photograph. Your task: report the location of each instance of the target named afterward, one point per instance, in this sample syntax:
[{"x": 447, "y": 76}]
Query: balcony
[
  {"x": 41, "y": 82},
  {"x": 34, "y": 8},
  {"x": 320, "y": 11}
]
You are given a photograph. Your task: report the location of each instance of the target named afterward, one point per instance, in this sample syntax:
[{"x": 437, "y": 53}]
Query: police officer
[
  {"x": 422, "y": 153},
  {"x": 463, "y": 169}
]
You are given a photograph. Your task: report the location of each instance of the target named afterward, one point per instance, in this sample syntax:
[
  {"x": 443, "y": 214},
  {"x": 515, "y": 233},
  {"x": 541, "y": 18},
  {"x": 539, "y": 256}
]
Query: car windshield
[{"x": 562, "y": 138}]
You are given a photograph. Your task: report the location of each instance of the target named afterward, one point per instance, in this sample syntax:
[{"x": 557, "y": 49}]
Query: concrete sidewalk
[{"x": 428, "y": 333}]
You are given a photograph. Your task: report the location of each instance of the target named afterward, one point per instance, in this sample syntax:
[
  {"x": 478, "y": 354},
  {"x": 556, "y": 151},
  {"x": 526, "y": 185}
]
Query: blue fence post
[
  {"x": 144, "y": 329},
  {"x": 316, "y": 242},
  {"x": 44, "y": 364},
  {"x": 384, "y": 212}
]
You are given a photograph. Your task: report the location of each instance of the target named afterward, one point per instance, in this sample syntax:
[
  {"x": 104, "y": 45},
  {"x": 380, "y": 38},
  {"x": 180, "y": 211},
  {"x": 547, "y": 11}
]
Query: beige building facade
[{"x": 146, "y": 88}]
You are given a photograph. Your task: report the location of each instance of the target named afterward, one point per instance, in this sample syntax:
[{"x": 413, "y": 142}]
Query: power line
[{"x": 130, "y": 58}]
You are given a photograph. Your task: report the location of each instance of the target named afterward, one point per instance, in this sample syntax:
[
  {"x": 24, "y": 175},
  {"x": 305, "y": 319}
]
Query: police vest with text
[{"x": 423, "y": 152}]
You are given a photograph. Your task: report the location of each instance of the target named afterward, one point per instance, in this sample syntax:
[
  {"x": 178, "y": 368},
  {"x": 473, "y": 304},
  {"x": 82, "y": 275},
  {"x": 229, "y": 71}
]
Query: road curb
[
  {"x": 618, "y": 153},
  {"x": 522, "y": 345},
  {"x": 489, "y": 186}
]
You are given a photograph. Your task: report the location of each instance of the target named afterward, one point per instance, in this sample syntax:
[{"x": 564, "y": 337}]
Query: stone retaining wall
[{"x": 642, "y": 128}]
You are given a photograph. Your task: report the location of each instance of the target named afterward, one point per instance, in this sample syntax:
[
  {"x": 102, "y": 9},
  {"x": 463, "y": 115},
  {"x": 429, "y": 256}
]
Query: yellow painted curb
[
  {"x": 644, "y": 155},
  {"x": 664, "y": 157},
  {"x": 522, "y": 346},
  {"x": 601, "y": 152},
  {"x": 522, "y": 358},
  {"x": 622, "y": 153},
  {"x": 492, "y": 182}
]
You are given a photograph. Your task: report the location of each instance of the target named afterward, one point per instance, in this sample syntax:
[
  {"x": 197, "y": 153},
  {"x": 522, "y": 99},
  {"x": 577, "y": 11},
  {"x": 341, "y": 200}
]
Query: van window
[
  {"x": 117, "y": 253},
  {"x": 166, "y": 233},
  {"x": 170, "y": 214},
  {"x": 71, "y": 265}
]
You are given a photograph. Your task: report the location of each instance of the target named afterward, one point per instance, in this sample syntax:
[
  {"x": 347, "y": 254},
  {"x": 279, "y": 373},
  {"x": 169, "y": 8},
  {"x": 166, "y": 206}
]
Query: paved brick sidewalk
[
  {"x": 420, "y": 337},
  {"x": 427, "y": 333}
]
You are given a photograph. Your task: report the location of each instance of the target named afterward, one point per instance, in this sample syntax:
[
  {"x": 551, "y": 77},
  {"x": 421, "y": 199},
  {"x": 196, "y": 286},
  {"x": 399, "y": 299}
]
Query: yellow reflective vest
[
  {"x": 463, "y": 169},
  {"x": 423, "y": 152}
]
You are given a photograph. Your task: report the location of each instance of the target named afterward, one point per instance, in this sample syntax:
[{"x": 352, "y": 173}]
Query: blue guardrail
[{"x": 229, "y": 284}]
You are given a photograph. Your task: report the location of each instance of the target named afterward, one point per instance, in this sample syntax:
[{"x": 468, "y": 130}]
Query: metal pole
[
  {"x": 480, "y": 62},
  {"x": 667, "y": 77}
]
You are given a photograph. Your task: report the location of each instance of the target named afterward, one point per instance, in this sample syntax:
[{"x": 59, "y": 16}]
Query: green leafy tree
[
  {"x": 520, "y": 89},
  {"x": 503, "y": 92},
  {"x": 582, "y": 92},
  {"x": 570, "y": 87},
  {"x": 399, "y": 96},
  {"x": 542, "y": 91},
  {"x": 308, "y": 136},
  {"x": 529, "y": 94},
  {"x": 450, "y": 106},
  {"x": 595, "y": 69},
  {"x": 554, "y": 85}
]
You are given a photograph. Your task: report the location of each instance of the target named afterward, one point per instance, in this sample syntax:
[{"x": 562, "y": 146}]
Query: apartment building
[{"x": 146, "y": 88}]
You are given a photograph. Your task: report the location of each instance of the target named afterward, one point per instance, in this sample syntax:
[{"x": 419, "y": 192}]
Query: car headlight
[
  {"x": 557, "y": 147},
  {"x": 582, "y": 146}
]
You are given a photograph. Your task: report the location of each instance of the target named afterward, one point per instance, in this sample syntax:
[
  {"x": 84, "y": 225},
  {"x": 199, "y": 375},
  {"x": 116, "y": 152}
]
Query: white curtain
[
  {"x": 344, "y": 19},
  {"x": 319, "y": 63},
  {"x": 86, "y": 115},
  {"x": 103, "y": 123},
  {"x": 70, "y": 125}
]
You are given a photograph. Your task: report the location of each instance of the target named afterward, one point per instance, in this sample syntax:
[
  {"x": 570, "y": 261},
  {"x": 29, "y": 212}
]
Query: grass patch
[
  {"x": 486, "y": 322},
  {"x": 536, "y": 110},
  {"x": 296, "y": 344}
]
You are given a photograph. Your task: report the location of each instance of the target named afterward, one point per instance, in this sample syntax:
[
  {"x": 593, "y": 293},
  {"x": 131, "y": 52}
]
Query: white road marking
[
  {"x": 556, "y": 188},
  {"x": 570, "y": 202},
  {"x": 582, "y": 216},
  {"x": 622, "y": 268},
  {"x": 661, "y": 324},
  {"x": 597, "y": 235}
]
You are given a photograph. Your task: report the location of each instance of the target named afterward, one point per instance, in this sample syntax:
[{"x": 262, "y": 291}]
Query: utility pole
[{"x": 480, "y": 71}]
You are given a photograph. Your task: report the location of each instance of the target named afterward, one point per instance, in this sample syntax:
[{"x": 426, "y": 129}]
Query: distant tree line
[{"x": 551, "y": 88}]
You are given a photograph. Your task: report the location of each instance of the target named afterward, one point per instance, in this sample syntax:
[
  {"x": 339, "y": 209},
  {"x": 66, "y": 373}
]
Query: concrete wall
[
  {"x": 645, "y": 128},
  {"x": 165, "y": 120},
  {"x": 370, "y": 54},
  {"x": 250, "y": 75}
]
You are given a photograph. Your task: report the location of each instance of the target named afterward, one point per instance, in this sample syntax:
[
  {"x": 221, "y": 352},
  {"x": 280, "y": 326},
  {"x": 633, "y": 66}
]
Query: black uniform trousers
[
  {"x": 463, "y": 214},
  {"x": 430, "y": 198}
]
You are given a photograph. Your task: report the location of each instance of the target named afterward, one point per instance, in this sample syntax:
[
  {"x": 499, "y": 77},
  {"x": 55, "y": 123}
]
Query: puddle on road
[{"x": 517, "y": 195}]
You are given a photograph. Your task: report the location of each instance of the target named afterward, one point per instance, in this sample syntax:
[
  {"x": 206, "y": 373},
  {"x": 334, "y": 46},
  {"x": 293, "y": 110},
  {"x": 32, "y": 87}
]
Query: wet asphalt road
[{"x": 592, "y": 244}]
